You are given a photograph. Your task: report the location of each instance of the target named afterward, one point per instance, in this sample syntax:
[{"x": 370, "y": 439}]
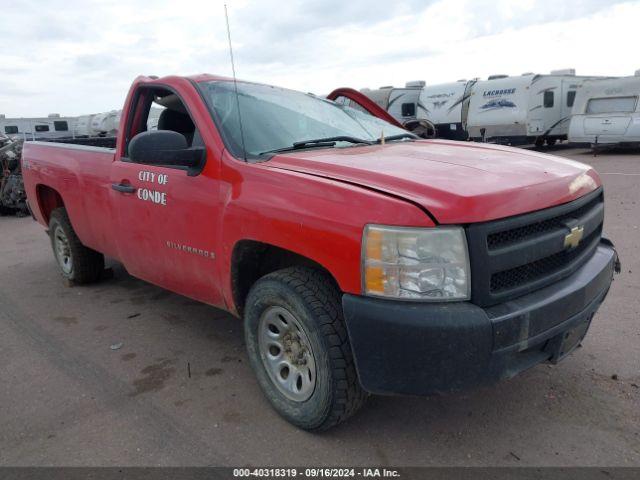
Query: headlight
[{"x": 430, "y": 264}]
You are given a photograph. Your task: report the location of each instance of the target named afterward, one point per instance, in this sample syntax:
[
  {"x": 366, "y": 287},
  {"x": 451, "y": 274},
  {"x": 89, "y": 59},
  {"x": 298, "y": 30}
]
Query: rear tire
[
  {"x": 294, "y": 325},
  {"x": 77, "y": 263}
]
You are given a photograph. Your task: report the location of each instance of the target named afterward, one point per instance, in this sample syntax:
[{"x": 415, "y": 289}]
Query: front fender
[{"x": 315, "y": 217}]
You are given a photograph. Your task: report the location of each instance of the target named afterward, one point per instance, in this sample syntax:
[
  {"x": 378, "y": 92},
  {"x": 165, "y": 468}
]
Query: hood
[{"x": 456, "y": 182}]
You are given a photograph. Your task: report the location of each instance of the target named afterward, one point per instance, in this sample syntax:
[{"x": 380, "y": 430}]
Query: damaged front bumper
[{"x": 425, "y": 348}]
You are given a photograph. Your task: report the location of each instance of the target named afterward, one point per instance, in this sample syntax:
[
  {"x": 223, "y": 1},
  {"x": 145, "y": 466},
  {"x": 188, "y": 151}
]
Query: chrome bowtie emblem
[{"x": 572, "y": 240}]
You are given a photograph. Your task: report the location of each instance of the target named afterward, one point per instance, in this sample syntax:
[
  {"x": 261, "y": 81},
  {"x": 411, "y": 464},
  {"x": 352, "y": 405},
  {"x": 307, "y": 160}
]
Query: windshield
[{"x": 275, "y": 118}]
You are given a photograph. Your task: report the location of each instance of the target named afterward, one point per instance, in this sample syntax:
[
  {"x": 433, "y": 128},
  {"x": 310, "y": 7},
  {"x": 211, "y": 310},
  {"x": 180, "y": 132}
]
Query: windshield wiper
[
  {"x": 320, "y": 142},
  {"x": 339, "y": 138},
  {"x": 399, "y": 136}
]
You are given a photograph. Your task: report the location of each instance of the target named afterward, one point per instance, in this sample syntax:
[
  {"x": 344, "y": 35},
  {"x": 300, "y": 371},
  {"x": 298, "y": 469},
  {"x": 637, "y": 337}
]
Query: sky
[{"x": 77, "y": 57}]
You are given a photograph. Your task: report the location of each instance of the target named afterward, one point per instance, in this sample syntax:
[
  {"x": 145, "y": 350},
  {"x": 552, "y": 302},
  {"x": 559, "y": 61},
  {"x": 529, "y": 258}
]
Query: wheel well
[
  {"x": 252, "y": 260},
  {"x": 48, "y": 200}
]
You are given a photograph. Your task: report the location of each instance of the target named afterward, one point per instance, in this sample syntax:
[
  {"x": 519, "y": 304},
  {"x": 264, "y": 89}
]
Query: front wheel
[{"x": 298, "y": 346}]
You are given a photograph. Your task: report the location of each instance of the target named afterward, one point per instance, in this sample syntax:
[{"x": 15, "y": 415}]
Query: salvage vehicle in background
[
  {"x": 401, "y": 103},
  {"x": 13, "y": 198},
  {"x": 402, "y": 106},
  {"x": 359, "y": 262}
]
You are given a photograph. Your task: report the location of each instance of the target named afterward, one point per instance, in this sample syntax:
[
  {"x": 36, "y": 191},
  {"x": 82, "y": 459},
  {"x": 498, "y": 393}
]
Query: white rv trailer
[
  {"x": 402, "y": 103},
  {"x": 98, "y": 124},
  {"x": 52, "y": 126},
  {"x": 106, "y": 124},
  {"x": 446, "y": 106},
  {"x": 523, "y": 109},
  {"x": 607, "y": 112}
]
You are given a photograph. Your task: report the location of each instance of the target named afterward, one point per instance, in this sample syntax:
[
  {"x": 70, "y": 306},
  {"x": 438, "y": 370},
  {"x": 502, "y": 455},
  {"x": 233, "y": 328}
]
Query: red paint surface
[{"x": 314, "y": 203}]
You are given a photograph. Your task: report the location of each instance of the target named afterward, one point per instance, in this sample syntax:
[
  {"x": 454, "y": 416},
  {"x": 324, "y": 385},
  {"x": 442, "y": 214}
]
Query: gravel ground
[{"x": 68, "y": 398}]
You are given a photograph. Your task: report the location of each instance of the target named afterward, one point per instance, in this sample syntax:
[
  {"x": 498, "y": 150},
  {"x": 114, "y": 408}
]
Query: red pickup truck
[{"x": 361, "y": 258}]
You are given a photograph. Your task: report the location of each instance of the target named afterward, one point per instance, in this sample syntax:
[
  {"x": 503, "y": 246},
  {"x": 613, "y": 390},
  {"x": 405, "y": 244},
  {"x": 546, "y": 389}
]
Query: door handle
[{"x": 123, "y": 187}]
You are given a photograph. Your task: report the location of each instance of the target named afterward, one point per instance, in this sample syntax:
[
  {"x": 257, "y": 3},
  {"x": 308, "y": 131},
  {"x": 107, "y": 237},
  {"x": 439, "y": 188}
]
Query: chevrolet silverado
[{"x": 361, "y": 258}]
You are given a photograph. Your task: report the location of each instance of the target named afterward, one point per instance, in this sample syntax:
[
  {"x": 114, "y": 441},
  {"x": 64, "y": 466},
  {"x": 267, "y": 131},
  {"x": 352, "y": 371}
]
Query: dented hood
[{"x": 456, "y": 182}]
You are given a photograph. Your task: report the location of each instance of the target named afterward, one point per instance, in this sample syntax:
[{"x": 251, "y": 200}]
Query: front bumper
[{"x": 425, "y": 348}]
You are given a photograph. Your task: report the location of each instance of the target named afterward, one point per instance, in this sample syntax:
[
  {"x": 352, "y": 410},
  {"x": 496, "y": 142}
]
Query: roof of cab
[{"x": 207, "y": 77}]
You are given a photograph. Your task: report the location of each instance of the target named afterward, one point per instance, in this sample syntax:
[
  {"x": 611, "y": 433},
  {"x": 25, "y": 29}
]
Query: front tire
[
  {"x": 77, "y": 263},
  {"x": 299, "y": 348}
]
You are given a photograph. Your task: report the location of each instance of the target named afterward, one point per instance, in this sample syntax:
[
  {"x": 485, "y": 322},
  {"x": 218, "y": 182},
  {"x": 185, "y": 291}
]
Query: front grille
[
  {"x": 517, "y": 255},
  {"x": 507, "y": 237},
  {"x": 538, "y": 269}
]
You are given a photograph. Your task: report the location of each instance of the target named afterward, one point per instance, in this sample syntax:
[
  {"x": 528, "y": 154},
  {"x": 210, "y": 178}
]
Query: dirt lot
[{"x": 68, "y": 398}]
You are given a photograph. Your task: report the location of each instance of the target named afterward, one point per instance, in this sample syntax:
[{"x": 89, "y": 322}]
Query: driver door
[{"x": 167, "y": 219}]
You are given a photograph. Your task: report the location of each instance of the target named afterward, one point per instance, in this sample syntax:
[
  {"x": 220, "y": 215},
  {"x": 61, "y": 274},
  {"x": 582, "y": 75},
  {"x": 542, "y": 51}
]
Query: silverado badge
[{"x": 572, "y": 240}]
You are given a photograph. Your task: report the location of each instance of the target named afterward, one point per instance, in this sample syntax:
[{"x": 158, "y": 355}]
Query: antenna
[{"x": 235, "y": 83}]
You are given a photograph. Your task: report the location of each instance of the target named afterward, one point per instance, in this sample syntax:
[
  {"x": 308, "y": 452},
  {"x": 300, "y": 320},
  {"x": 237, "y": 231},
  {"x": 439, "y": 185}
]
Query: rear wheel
[
  {"x": 298, "y": 346},
  {"x": 77, "y": 262}
]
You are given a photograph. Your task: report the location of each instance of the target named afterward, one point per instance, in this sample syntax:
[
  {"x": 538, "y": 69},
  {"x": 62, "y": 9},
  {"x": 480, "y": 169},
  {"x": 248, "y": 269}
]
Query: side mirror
[{"x": 165, "y": 147}]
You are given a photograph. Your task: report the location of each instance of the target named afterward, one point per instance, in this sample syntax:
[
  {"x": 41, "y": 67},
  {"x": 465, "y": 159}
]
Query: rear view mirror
[{"x": 165, "y": 147}]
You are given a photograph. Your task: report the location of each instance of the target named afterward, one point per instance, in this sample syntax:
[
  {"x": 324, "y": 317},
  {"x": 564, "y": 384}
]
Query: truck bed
[
  {"x": 102, "y": 142},
  {"x": 78, "y": 170}
]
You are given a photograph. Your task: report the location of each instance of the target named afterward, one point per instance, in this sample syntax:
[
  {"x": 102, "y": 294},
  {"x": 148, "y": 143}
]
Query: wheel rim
[
  {"x": 63, "y": 251},
  {"x": 286, "y": 354}
]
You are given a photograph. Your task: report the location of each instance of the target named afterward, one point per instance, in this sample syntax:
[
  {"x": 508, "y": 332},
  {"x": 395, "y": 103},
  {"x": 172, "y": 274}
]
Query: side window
[
  {"x": 571, "y": 98},
  {"x": 408, "y": 109},
  {"x": 160, "y": 109},
  {"x": 11, "y": 129},
  {"x": 612, "y": 104},
  {"x": 60, "y": 126},
  {"x": 42, "y": 128},
  {"x": 548, "y": 99}
]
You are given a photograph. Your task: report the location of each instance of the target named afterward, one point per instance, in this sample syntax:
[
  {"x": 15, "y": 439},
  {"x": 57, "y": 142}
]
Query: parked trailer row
[
  {"x": 52, "y": 126},
  {"x": 104, "y": 124},
  {"x": 525, "y": 109}
]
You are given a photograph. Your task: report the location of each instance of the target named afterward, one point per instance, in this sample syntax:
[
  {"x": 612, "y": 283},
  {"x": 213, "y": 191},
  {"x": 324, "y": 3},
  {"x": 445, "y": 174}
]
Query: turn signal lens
[{"x": 374, "y": 280}]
